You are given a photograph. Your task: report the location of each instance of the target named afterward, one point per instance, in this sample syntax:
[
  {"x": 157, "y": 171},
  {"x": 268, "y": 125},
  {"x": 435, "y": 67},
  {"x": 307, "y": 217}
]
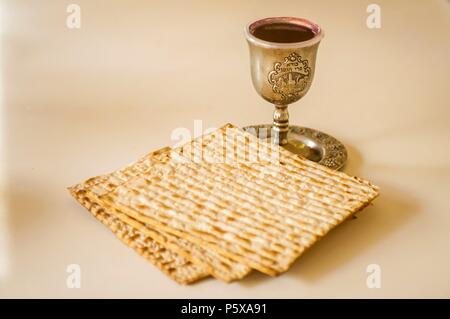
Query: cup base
[{"x": 310, "y": 143}]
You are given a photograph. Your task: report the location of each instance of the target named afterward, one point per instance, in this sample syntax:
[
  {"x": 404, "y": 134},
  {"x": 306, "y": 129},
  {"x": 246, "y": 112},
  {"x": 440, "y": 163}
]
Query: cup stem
[{"x": 280, "y": 124}]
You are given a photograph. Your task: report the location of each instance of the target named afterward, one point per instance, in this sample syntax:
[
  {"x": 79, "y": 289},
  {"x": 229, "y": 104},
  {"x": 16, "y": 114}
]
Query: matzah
[{"x": 262, "y": 214}]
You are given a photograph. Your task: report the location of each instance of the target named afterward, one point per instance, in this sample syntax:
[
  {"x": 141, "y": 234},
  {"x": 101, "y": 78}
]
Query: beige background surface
[{"x": 76, "y": 103}]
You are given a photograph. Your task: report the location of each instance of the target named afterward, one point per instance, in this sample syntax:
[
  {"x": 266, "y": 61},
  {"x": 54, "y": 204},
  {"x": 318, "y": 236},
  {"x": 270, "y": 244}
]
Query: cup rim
[{"x": 315, "y": 28}]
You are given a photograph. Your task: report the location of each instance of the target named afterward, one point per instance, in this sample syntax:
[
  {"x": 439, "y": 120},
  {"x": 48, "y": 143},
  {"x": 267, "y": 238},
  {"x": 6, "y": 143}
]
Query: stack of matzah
[{"x": 222, "y": 205}]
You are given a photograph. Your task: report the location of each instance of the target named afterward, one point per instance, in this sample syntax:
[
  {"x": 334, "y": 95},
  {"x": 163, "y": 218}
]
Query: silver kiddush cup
[{"x": 282, "y": 69}]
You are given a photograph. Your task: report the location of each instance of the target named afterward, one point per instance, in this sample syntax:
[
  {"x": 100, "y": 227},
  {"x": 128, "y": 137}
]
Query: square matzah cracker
[{"x": 261, "y": 213}]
